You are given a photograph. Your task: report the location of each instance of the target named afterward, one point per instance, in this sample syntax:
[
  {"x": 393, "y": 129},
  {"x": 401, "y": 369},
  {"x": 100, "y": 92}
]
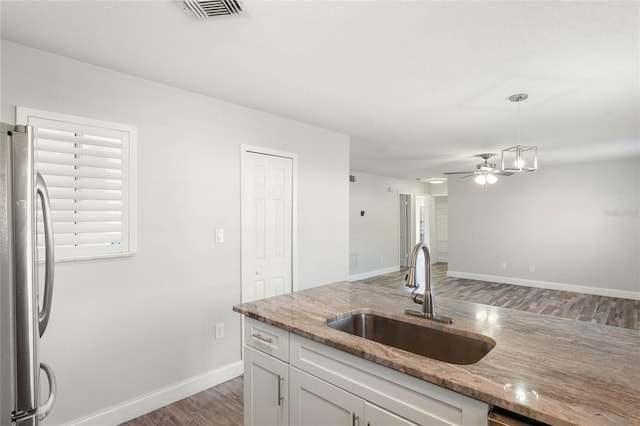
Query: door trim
[
  {"x": 409, "y": 237},
  {"x": 244, "y": 149}
]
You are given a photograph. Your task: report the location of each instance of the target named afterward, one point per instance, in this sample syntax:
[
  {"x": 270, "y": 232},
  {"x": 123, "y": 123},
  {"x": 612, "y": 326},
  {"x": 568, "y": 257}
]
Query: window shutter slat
[
  {"x": 79, "y": 161},
  {"x": 83, "y": 216},
  {"x": 106, "y": 238},
  {"x": 87, "y": 205},
  {"x": 51, "y": 146},
  {"x": 85, "y": 227},
  {"x": 87, "y": 172},
  {"x": 88, "y": 140},
  {"x": 84, "y": 194},
  {"x": 88, "y": 183}
]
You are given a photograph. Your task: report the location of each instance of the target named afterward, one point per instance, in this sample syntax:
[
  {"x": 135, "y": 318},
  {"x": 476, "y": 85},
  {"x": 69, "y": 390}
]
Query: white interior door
[{"x": 267, "y": 195}]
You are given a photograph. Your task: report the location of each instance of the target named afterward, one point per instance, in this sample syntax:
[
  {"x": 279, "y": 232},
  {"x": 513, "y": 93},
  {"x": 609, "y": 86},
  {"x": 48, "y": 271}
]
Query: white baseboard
[
  {"x": 152, "y": 401},
  {"x": 548, "y": 285},
  {"x": 372, "y": 274}
]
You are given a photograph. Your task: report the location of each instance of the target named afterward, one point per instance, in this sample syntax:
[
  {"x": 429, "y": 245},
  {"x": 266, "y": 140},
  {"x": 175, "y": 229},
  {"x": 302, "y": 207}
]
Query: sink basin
[{"x": 426, "y": 341}]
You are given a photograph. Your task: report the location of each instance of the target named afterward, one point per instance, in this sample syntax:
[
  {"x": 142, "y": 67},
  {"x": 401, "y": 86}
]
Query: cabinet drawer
[{"x": 267, "y": 338}]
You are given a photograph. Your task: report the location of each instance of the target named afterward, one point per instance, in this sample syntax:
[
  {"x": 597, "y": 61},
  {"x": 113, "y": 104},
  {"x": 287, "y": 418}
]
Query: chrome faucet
[{"x": 428, "y": 310}]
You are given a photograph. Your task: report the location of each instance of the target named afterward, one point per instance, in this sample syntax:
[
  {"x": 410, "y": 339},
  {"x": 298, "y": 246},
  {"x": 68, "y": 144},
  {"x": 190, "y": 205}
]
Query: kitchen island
[{"x": 549, "y": 369}]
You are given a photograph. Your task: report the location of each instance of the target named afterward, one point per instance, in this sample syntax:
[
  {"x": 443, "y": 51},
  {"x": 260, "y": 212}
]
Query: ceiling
[{"x": 420, "y": 86}]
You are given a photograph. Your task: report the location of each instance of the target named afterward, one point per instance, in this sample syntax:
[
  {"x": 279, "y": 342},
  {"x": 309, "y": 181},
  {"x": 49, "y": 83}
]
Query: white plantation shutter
[{"x": 86, "y": 165}]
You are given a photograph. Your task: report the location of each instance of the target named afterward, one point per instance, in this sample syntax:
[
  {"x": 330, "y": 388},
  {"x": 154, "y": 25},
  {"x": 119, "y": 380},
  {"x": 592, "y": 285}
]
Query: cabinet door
[
  {"x": 376, "y": 416},
  {"x": 266, "y": 396},
  {"x": 315, "y": 402}
]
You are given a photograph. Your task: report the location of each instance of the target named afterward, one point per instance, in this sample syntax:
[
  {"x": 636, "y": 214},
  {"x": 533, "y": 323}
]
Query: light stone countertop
[{"x": 554, "y": 370}]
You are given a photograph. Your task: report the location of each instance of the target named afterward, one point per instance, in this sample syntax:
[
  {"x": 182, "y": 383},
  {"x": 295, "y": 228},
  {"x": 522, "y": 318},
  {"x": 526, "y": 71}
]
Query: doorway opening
[{"x": 441, "y": 228}]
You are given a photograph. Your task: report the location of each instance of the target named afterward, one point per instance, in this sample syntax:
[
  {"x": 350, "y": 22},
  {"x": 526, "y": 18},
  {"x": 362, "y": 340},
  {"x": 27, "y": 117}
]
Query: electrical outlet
[
  {"x": 532, "y": 268},
  {"x": 503, "y": 265},
  {"x": 219, "y": 331}
]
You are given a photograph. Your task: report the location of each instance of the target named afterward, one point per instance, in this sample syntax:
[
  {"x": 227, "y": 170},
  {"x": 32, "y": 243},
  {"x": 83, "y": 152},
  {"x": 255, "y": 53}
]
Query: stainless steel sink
[{"x": 430, "y": 342}]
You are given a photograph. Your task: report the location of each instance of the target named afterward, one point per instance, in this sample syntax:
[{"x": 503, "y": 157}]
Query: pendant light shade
[{"x": 519, "y": 159}]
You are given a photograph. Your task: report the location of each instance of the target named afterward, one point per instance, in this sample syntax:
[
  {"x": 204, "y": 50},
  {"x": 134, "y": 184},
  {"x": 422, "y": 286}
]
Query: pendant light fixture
[{"x": 519, "y": 158}]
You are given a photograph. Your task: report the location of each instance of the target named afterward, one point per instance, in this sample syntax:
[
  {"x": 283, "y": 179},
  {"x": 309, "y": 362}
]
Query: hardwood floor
[
  {"x": 612, "y": 311},
  {"x": 222, "y": 405},
  {"x": 217, "y": 406}
]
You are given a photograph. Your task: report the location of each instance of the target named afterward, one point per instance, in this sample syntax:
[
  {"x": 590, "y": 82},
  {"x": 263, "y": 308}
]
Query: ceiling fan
[{"x": 486, "y": 172}]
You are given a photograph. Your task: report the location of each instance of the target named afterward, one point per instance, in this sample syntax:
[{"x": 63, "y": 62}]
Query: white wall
[
  {"x": 375, "y": 237},
  {"x": 577, "y": 224},
  {"x": 126, "y": 327},
  {"x": 440, "y": 188}
]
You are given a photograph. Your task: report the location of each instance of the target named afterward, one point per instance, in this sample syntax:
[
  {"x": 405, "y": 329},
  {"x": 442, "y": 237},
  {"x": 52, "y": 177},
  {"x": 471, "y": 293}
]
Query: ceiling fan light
[
  {"x": 491, "y": 179},
  {"x": 480, "y": 179}
]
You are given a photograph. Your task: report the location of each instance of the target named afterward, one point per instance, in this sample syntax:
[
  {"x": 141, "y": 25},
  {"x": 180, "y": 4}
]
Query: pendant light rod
[{"x": 518, "y": 97}]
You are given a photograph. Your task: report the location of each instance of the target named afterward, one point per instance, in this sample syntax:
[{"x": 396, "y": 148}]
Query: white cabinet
[
  {"x": 266, "y": 389},
  {"x": 321, "y": 385},
  {"x": 315, "y": 402}
]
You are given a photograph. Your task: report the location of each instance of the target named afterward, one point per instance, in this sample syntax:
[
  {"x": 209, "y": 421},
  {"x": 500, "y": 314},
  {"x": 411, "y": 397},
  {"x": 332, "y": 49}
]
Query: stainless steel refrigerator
[{"x": 24, "y": 312}]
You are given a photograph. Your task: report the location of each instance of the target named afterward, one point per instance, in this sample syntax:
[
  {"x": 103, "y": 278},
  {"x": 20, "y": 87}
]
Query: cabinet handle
[
  {"x": 354, "y": 419},
  {"x": 263, "y": 339},
  {"x": 280, "y": 397}
]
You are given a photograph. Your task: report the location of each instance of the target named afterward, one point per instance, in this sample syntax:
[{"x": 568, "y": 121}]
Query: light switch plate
[
  {"x": 219, "y": 236},
  {"x": 219, "y": 331}
]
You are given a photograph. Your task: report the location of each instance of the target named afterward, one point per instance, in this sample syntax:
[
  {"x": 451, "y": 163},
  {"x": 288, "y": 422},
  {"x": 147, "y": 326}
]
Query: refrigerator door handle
[
  {"x": 45, "y": 408},
  {"x": 43, "y": 194}
]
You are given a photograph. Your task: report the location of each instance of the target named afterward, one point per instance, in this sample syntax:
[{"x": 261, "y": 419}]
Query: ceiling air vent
[{"x": 204, "y": 9}]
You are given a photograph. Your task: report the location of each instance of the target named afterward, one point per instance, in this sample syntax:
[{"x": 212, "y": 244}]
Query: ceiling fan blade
[
  {"x": 456, "y": 173},
  {"x": 472, "y": 174},
  {"x": 503, "y": 173}
]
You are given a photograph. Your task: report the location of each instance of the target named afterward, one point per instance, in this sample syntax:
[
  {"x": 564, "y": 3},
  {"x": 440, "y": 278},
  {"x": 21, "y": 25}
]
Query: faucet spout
[{"x": 426, "y": 300}]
